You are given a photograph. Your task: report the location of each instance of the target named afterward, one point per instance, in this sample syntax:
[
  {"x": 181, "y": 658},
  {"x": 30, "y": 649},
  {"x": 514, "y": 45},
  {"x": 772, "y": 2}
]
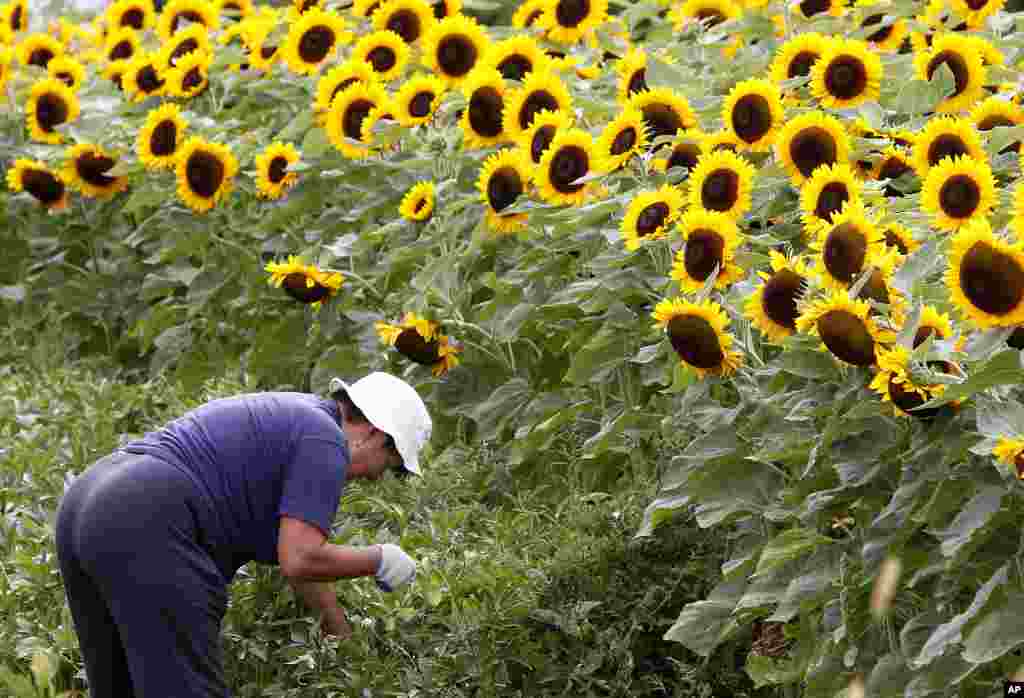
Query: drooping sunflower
[
  {"x": 14, "y": 15},
  {"x": 348, "y": 111},
  {"x": 516, "y": 56},
  {"x": 263, "y": 53},
  {"x": 632, "y": 72},
  {"x": 338, "y": 78},
  {"x": 384, "y": 51},
  {"x": 722, "y": 139},
  {"x": 932, "y": 323},
  {"x": 846, "y": 246},
  {"x": 845, "y": 327},
  {"x": 205, "y": 173},
  {"x": 194, "y": 37},
  {"x": 848, "y": 73},
  {"x": 568, "y": 21},
  {"x": 304, "y": 282},
  {"x": 752, "y": 113},
  {"x": 810, "y": 8},
  {"x": 176, "y": 12},
  {"x": 880, "y": 289},
  {"x": 312, "y": 40},
  {"x": 962, "y": 59},
  {"x": 527, "y": 14},
  {"x": 666, "y": 112},
  {"x": 649, "y": 215},
  {"x": 697, "y": 332},
  {"x": 236, "y": 10},
  {"x": 365, "y": 8},
  {"x": 142, "y": 79},
  {"x": 418, "y": 202},
  {"x": 899, "y": 238},
  {"x": 712, "y": 239},
  {"x": 958, "y": 190},
  {"x": 540, "y": 90},
  {"x": 420, "y": 340},
  {"x": 975, "y": 12},
  {"x": 686, "y": 151},
  {"x": 161, "y": 136},
  {"x": 893, "y": 163},
  {"x": 796, "y": 57},
  {"x": 481, "y": 120},
  {"x": 122, "y": 44},
  {"x": 446, "y": 8},
  {"x": 708, "y": 12},
  {"x": 410, "y": 19},
  {"x": 190, "y": 75},
  {"x": 536, "y": 139},
  {"x": 895, "y": 384},
  {"x": 1011, "y": 451},
  {"x": 453, "y": 47},
  {"x": 944, "y": 137},
  {"x": 722, "y": 181},
  {"x": 810, "y": 140},
  {"x": 569, "y": 158},
  {"x": 50, "y": 104},
  {"x": 623, "y": 137},
  {"x": 45, "y": 185},
  {"x": 985, "y": 277},
  {"x": 418, "y": 99},
  {"x": 829, "y": 187},
  {"x": 272, "y": 175},
  {"x": 772, "y": 308},
  {"x": 86, "y": 169},
  {"x": 996, "y": 111},
  {"x": 66, "y": 69},
  {"x": 889, "y": 36},
  {"x": 504, "y": 177},
  {"x": 39, "y": 49}
]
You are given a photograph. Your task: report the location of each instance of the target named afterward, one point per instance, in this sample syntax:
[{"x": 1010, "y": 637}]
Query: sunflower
[
  {"x": 568, "y": 21},
  {"x": 666, "y": 112},
  {"x": 453, "y": 47},
  {"x": 772, "y": 308},
  {"x": 420, "y": 340},
  {"x": 236, "y": 10},
  {"x": 384, "y": 51},
  {"x": 536, "y": 139},
  {"x": 347, "y": 113},
  {"x": 527, "y": 14},
  {"x": 957, "y": 190},
  {"x": 623, "y": 137},
  {"x": 142, "y": 79},
  {"x": 711, "y": 241},
  {"x": 446, "y": 8},
  {"x": 847, "y": 74},
  {"x": 632, "y": 72},
  {"x": 312, "y": 39},
  {"x": 894, "y": 383},
  {"x": 944, "y": 137},
  {"x": 1017, "y": 224},
  {"x": 177, "y": 11},
  {"x": 418, "y": 99},
  {"x": 796, "y": 57},
  {"x": 137, "y": 14},
  {"x": 995, "y": 112},
  {"x": 205, "y": 173},
  {"x": 50, "y": 104},
  {"x": 932, "y": 323},
  {"x": 569, "y": 157},
  {"x": 707, "y": 12},
  {"x": 122, "y": 44},
  {"x": 272, "y": 175},
  {"x": 410, "y": 19},
  {"x": 160, "y": 137},
  {"x": 697, "y": 333},
  {"x": 504, "y": 177},
  {"x": 722, "y": 181},
  {"x": 262, "y": 52},
  {"x": 5, "y": 65},
  {"x": 879, "y": 287},
  {"x": 190, "y": 75},
  {"x": 418, "y": 202},
  {"x": 752, "y": 113},
  {"x": 829, "y": 187},
  {"x": 1011, "y": 451},
  {"x": 304, "y": 282},
  {"x": 888, "y": 38},
  {"x": 962, "y": 59},
  {"x": 846, "y": 246},
  {"x": 39, "y": 49},
  {"x": 517, "y": 56},
  {"x": 194, "y": 37},
  {"x": 649, "y": 215},
  {"x": 66, "y": 69},
  {"x": 14, "y": 15},
  {"x": 86, "y": 169},
  {"x": 46, "y": 186},
  {"x": 686, "y": 151},
  {"x": 810, "y": 8},
  {"x": 899, "y": 238},
  {"x": 338, "y": 78},
  {"x": 722, "y": 139},
  {"x": 810, "y": 140},
  {"x": 845, "y": 328},
  {"x": 985, "y": 277},
  {"x": 893, "y": 164},
  {"x": 365, "y": 8},
  {"x": 539, "y": 91},
  {"x": 114, "y": 72},
  {"x": 975, "y": 12},
  {"x": 481, "y": 120}
]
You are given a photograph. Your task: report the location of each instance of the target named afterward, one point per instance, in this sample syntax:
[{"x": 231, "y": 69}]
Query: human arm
[{"x": 320, "y": 597}]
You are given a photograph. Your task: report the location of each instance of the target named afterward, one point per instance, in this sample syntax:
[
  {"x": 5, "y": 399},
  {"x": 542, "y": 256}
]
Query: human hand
[
  {"x": 396, "y": 568},
  {"x": 337, "y": 625}
]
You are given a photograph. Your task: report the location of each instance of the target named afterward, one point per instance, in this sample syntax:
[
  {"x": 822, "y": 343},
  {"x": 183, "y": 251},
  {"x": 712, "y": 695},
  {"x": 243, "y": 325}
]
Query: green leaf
[
  {"x": 316, "y": 143},
  {"x": 598, "y": 357},
  {"x": 889, "y": 676},
  {"x": 766, "y": 671},
  {"x": 998, "y": 419},
  {"x": 703, "y": 625},
  {"x": 659, "y": 511},
  {"x": 789, "y": 545},
  {"x": 808, "y": 364},
  {"x": 974, "y": 516},
  {"x": 997, "y": 632},
  {"x": 1003, "y": 369}
]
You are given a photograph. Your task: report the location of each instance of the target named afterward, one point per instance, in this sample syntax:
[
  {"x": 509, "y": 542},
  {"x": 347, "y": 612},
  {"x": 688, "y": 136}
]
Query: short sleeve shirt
[{"x": 257, "y": 457}]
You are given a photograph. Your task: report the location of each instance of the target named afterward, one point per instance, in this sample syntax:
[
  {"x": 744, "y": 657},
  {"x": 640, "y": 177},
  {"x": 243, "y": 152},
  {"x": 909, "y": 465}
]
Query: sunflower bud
[{"x": 885, "y": 587}]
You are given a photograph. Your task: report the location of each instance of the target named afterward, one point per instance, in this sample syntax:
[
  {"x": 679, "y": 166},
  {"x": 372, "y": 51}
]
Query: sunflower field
[{"x": 768, "y": 252}]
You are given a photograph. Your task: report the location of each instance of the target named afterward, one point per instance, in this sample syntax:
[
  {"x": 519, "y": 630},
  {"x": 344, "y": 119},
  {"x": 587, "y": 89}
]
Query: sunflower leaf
[
  {"x": 1003, "y": 369},
  {"x": 998, "y": 419}
]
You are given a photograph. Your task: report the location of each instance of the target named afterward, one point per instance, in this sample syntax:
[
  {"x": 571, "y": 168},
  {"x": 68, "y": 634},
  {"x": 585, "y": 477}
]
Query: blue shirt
[{"x": 257, "y": 457}]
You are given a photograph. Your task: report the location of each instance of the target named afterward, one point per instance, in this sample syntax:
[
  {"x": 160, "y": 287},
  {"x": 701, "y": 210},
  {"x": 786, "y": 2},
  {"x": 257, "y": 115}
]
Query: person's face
[{"x": 372, "y": 453}]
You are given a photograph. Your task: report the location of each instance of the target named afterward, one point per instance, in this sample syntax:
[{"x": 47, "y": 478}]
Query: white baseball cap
[{"x": 394, "y": 407}]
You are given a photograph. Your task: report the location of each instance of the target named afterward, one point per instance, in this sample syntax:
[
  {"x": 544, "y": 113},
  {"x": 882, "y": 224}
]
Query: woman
[{"x": 149, "y": 537}]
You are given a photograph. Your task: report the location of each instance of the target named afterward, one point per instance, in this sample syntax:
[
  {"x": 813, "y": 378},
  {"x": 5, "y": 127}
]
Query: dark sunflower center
[
  {"x": 267, "y": 52},
  {"x": 684, "y": 155},
  {"x": 440, "y": 9},
  {"x": 720, "y": 190},
  {"x": 43, "y": 185},
  {"x": 959, "y": 196},
  {"x": 503, "y": 188},
  {"x": 295, "y": 286},
  {"x": 779, "y": 298},
  {"x": 704, "y": 249},
  {"x": 181, "y": 49},
  {"x": 276, "y": 172},
  {"x": 880, "y": 35},
  {"x": 412, "y": 345},
  {"x": 831, "y": 199},
  {"x": 91, "y": 167},
  {"x": 662, "y": 120},
  {"x": 50, "y": 111},
  {"x": 904, "y": 398},
  {"x": 382, "y": 58},
  {"x": 956, "y": 63},
  {"x": 624, "y": 141},
  {"x": 133, "y": 18},
  {"x": 352, "y": 119},
  {"x": 922, "y": 335},
  {"x": 67, "y": 78},
  {"x": 420, "y": 204},
  {"x": 204, "y": 172},
  {"x": 751, "y": 118},
  {"x": 164, "y": 140},
  {"x": 846, "y": 77},
  {"x": 844, "y": 252},
  {"x": 809, "y": 8},
  {"x": 315, "y": 43},
  {"x": 846, "y": 336},
  {"x": 992, "y": 121},
  {"x": 712, "y": 16},
  {"x": 193, "y": 79},
  {"x": 40, "y": 57},
  {"x": 123, "y": 49},
  {"x": 342, "y": 85},
  {"x": 976, "y": 5},
  {"x": 651, "y": 218},
  {"x": 893, "y": 168},
  {"x": 894, "y": 240},
  {"x": 419, "y": 105},
  {"x": 876, "y": 289},
  {"x": 16, "y": 24},
  {"x": 991, "y": 280},
  {"x": 535, "y": 102},
  {"x": 695, "y": 341},
  {"x": 188, "y": 16},
  {"x": 801, "y": 64},
  {"x": 811, "y": 148},
  {"x": 406, "y": 24},
  {"x": 1016, "y": 340},
  {"x": 542, "y": 138},
  {"x": 534, "y": 16},
  {"x": 514, "y": 67},
  {"x": 637, "y": 82},
  {"x": 148, "y": 79},
  {"x": 456, "y": 55},
  {"x": 946, "y": 145},
  {"x": 485, "y": 112},
  {"x": 569, "y": 13},
  {"x": 569, "y": 164}
]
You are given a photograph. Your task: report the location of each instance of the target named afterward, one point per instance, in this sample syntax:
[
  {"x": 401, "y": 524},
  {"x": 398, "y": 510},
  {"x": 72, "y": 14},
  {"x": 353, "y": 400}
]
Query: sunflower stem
[{"x": 366, "y": 284}]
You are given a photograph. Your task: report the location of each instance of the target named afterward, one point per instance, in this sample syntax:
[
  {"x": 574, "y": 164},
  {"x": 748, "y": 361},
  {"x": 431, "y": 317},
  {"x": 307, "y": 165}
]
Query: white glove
[{"x": 396, "y": 568}]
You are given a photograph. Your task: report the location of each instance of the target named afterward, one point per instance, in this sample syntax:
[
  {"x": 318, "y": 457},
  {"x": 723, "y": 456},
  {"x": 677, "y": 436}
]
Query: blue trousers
[{"x": 146, "y": 597}]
